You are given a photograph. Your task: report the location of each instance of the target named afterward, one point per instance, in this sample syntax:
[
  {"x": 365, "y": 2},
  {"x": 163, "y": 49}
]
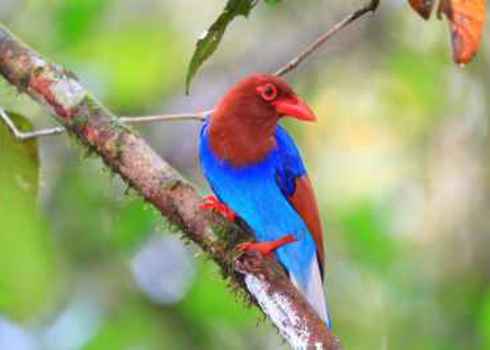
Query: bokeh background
[{"x": 399, "y": 159}]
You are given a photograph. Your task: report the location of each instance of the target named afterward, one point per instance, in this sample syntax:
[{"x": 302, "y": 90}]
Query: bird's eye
[{"x": 268, "y": 92}]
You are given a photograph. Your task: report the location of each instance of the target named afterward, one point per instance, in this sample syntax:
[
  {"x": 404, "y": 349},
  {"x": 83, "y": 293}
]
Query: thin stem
[
  {"x": 322, "y": 39},
  {"x": 165, "y": 117},
  {"x": 24, "y": 136}
]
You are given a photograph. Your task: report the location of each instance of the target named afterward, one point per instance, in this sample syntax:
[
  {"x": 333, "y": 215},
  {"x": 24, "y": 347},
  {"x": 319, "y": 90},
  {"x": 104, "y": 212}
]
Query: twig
[
  {"x": 24, "y": 136},
  {"x": 166, "y": 117},
  {"x": 128, "y": 154},
  {"x": 295, "y": 62}
]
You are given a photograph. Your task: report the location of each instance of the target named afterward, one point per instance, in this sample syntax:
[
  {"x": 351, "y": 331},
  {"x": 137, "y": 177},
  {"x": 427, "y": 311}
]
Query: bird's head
[
  {"x": 243, "y": 124},
  {"x": 263, "y": 98}
]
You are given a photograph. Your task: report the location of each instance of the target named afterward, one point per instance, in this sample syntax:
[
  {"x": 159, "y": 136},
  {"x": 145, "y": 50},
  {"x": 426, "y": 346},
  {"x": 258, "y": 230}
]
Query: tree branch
[
  {"x": 128, "y": 155},
  {"x": 322, "y": 39}
]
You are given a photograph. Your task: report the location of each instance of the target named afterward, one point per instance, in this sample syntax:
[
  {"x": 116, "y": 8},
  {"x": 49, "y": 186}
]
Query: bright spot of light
[
  {"x": 13, "y": 337},
  {"x": 164, "y": 269}
]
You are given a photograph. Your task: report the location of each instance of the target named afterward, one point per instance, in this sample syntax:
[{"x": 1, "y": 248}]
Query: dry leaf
[
  {"x": 423, "y": 7},
  {"x": 466, "y": 22}
]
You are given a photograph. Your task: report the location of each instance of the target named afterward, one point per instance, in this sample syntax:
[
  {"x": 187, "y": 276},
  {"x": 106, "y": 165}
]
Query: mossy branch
[{"x": 127, "y": 154}]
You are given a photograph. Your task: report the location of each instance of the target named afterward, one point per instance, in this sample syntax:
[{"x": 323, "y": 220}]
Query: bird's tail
[{"x": 314, "y": 292}]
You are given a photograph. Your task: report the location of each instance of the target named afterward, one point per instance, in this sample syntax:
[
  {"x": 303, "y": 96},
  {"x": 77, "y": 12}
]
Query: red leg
[
  {"x": 266, "y": 248},
  {"x": 212, "y": 203}
]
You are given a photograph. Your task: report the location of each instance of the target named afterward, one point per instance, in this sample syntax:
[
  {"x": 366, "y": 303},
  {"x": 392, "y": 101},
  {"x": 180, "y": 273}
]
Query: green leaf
[
  {"x": 27, "y": 267},
  {"x": 272, "y": 2},
  {"x": 24, "y": 153},
  {"x": 208, "y": 44}
]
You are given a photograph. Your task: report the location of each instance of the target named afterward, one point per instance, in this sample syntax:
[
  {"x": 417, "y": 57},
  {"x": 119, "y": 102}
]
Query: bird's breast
[{"x": 239, "y": 144}]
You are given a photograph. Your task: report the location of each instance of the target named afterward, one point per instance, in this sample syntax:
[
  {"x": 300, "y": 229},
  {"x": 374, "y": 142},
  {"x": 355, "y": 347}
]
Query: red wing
[{"x": 303, "y": 200}]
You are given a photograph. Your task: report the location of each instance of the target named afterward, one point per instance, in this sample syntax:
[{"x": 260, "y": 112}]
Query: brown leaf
[
  {"x": 466, "y": 21},
  {"x": 423, "y": 7}
]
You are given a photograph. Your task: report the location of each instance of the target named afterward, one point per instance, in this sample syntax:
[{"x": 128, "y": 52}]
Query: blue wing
[{"x": 290, "y": 165}]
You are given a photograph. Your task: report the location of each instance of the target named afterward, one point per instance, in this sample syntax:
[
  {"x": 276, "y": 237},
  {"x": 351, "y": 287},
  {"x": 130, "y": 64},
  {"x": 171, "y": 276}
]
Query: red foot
[
  {"x": 266, "y": 248},
  {"x": 212, "y": 203}
]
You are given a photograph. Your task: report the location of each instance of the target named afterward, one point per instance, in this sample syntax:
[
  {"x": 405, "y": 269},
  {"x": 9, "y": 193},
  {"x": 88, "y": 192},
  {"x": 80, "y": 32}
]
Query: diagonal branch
[
  {"x": 322, "y": 39},
  {"x": 128, "y": 155}
]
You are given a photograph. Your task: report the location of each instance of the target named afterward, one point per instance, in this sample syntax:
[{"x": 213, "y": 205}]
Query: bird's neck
[{"x": 241, "y": 141}]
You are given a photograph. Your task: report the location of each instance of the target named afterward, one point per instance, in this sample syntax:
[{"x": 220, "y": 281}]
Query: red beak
[{"x": 294, "y": 107}]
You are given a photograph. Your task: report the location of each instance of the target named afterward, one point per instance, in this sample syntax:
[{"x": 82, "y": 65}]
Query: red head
[
  {"x": 264, "y": 97},
  {"x": 243, "y": 124}
]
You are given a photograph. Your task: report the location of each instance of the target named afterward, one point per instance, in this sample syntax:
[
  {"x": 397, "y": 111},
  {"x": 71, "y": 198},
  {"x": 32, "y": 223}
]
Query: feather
[
  {"x": 254, "y": 167},
  {"x": 303, "y": 200},
  {"x": 315, "y": 292}
]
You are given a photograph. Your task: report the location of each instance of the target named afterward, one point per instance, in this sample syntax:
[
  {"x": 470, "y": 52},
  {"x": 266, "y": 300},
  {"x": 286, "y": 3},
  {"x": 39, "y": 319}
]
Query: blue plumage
[
  {"x": 259, "y": 194},
  {"x": 254, "y": 167}
]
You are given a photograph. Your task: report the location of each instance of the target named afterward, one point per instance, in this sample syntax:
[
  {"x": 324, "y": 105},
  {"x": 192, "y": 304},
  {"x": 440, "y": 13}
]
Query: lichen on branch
[{"x": 128, "y": 155}]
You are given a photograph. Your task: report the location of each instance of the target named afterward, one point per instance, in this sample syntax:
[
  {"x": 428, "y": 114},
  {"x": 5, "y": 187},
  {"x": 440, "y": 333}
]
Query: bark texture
[{"x": 129, "y": 155}]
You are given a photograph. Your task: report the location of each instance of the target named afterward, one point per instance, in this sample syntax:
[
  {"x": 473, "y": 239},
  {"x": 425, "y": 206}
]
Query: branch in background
[
  {"x": 291, "y": 65},
  {"x": 295, "y": 62},
  {"x": 24, "y": 136},
  {"x": 128, "y": 155},
  {"x": 166, "y": 117}
]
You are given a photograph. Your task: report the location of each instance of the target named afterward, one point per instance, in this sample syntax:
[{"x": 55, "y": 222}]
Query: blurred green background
[{"x": 399, "y": 159}]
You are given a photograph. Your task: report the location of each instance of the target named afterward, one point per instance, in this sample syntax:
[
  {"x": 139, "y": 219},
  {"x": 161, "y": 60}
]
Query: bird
[{"x": 257, "y": 174}]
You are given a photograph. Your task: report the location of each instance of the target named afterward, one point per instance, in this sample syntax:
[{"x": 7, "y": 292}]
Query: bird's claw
[
  {"x": 266, "y": 248},
  {"x": 213, "y": 203}
]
